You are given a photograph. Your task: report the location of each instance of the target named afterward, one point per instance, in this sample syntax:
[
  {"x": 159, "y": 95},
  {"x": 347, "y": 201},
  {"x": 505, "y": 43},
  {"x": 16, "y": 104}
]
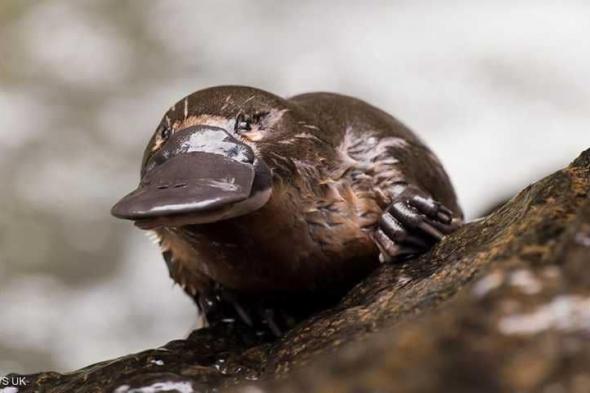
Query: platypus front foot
[{"x": 411, "y": 225}]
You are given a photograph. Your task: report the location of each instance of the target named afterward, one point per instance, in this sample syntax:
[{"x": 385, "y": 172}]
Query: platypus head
[{"x": 204, "y": 162}]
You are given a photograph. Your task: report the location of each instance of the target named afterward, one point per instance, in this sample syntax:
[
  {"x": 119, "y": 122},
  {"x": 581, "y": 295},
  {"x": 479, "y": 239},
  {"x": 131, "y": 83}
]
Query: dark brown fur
[{"x": 336, "y": 162}]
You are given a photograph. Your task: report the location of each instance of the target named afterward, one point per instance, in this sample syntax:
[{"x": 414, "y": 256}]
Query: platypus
[{"x": 253, "y": 196}]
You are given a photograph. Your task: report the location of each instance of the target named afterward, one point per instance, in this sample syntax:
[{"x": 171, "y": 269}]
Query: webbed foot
[{"x": 412, "y": 224}]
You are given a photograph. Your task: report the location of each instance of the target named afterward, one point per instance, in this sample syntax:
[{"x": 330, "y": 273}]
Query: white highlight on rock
[
  {"x": 488, "y": 283},
  {"x": 181, "y": 387},
  {"x": 567, "y": 313},
  {"x": 525, "y": 281},
  {"x": 403, "y": 279},
  {"x": 583, "y": 239}
]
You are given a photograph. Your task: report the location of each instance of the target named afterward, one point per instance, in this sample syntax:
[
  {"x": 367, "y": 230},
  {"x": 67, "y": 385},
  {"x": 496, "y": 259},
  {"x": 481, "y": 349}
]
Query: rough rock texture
[{"x": 501, "y": 305}]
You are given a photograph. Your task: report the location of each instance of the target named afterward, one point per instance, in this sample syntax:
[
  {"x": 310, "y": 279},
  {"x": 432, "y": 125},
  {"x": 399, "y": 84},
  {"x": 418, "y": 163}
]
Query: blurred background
[{"x": 500, "y": 90}]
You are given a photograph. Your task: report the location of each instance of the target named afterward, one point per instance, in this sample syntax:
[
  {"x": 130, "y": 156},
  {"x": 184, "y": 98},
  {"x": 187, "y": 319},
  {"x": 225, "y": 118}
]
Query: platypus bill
[{"x": 265, "y": 206}]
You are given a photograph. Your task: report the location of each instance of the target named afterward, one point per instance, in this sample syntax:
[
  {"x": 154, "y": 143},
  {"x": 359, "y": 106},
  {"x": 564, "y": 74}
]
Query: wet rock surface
[{"x": 501, "y": 305}]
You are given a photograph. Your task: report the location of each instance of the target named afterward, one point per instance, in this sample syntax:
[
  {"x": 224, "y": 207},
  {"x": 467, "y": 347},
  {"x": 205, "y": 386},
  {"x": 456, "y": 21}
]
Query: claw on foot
[
  {"x": 252, "y": 317},
  {"x": 412, "y": 224}
]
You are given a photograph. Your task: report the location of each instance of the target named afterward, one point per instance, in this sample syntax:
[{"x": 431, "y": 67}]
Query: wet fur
[{"x": 336, "y": 162}]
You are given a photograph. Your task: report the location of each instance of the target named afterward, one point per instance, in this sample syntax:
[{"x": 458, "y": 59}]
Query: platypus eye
[
  {"x": 164, "y": 133},
  {"x": 243, "y": 123}
]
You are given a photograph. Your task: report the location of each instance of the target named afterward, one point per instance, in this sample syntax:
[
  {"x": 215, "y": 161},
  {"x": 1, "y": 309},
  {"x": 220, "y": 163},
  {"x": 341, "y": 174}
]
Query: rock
[{"x": 503, "y": 304}]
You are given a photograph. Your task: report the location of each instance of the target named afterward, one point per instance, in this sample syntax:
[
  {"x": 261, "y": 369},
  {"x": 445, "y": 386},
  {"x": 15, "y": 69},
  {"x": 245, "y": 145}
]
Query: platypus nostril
[
  {"x": 163, "y": 187},
  {"x": 180, "y": 185}
]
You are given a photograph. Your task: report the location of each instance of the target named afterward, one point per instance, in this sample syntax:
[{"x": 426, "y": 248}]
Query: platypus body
[{"x": 263, "y": 197}]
